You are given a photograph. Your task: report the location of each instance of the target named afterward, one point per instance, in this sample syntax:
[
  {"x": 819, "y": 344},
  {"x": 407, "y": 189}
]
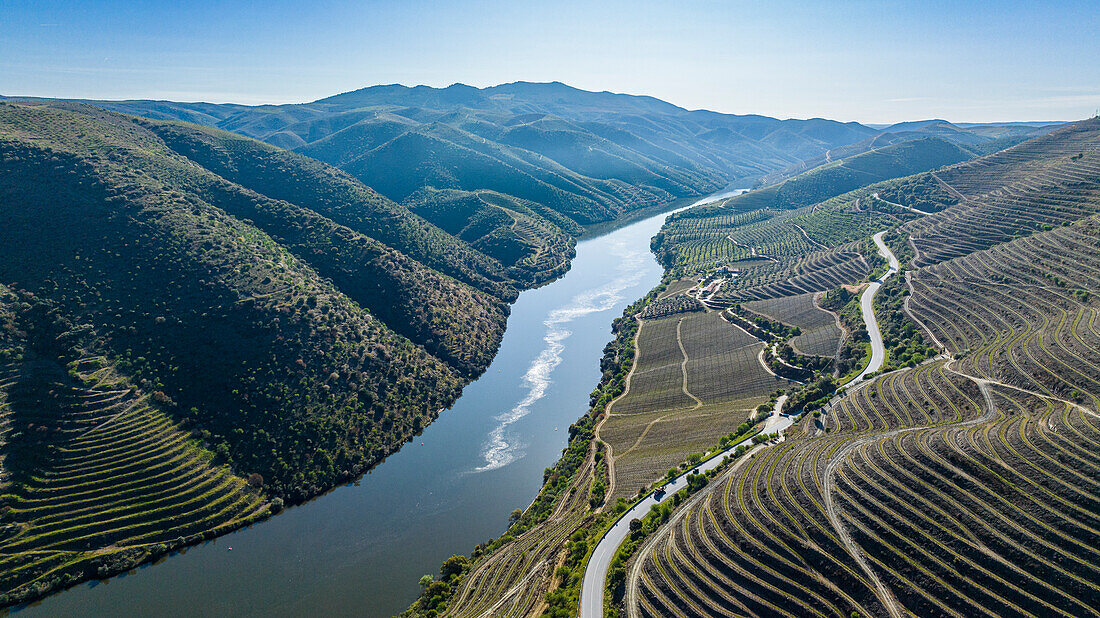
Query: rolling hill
[
  {"x": 958, "y": 478},
  {"x": 976, "y": 138},
  {"x": 843, "y": 175},
  {"x": 590, "y": 156},
  {"x": 196, "y": 327}
]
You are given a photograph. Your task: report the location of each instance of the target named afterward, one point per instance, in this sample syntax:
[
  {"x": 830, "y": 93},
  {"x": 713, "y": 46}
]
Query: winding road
[
  {"x": 866, "y": 305},
  {"x": 595, "y": 574}
]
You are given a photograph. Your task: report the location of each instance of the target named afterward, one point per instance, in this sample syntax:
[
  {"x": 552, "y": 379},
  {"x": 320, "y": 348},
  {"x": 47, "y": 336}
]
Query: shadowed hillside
[
  {"x": 184, "y": 309},
  {"x": 263, "y": 320}
]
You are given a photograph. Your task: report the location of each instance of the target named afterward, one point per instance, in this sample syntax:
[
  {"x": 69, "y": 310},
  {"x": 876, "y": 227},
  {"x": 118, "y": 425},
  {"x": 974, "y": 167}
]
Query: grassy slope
[{"x": 854, "y": 172}]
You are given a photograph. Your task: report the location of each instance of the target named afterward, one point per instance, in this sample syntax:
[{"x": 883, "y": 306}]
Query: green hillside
[
  {"x": 532, "y": 242},
  {"x": 196, "y": 327},
  {"x": 96, "y": 477},
  {"x": 590, "y": 156},
  {"x": 854, "y": 172},
  {"x": 242, "y": 322},
  {"x": 255, "y": 316},
  {"x": 978, "y": 139}
]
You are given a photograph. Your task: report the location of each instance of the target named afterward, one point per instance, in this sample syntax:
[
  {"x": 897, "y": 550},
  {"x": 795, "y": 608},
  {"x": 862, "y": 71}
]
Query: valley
[
  {"x": 411, "y": 512},
  {"x": 707, "y": 538},
  {"x": 226, "y": 330},
  {"x": 280, "y": 321}
]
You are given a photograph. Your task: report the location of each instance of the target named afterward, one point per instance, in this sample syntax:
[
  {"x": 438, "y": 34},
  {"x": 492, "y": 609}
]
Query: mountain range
[{"x": 209, "y": 309}]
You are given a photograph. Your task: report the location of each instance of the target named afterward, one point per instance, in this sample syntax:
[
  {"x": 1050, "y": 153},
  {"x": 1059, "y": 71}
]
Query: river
[{"x": 361, "y": 548}]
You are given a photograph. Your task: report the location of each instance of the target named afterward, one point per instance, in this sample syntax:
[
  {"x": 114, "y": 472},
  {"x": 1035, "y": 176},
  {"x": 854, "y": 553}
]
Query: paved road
[
  {"x": 866, "y": 305},
  {"x": 595, "y": 574}
]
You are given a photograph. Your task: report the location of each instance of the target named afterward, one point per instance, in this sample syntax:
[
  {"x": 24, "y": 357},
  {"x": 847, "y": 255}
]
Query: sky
[{"x": 873, "y": 62}]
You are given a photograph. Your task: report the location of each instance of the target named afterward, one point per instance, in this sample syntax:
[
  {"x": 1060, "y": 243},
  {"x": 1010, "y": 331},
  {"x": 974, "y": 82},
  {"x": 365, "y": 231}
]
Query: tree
[
  {"x": 426, "y": 580},
  {"x": 455, "y": 565}
]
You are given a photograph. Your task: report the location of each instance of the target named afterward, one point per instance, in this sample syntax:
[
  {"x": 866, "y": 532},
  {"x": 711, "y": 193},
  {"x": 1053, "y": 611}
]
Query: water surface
[{"x": 361, "y": 548}]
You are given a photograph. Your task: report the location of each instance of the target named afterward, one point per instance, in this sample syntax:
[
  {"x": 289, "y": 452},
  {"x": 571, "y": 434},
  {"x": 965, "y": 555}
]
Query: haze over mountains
[
  {"x": 219, "y": 307},
  {"x": 589, "y": 156}
]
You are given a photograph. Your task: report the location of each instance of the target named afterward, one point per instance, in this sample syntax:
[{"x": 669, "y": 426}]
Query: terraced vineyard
[
  {"x": 696, "y": 378},
  {"x": 512, "y": 581},
  {"x": 1043, "y": 183},
  {"x": 772, "y": 254},
  {"x": 819, "y": 271},
  {"x": 1023, "y": 313},
  {"x": 821, "y": 336},
  {"x": 122, "y": 482},
  {"x": 965, "y": 485}
]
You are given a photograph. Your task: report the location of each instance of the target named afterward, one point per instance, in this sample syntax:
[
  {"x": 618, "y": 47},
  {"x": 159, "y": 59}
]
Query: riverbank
[
  {"x": 360, "y": 548},
  {"x": 592, "y": 598}
]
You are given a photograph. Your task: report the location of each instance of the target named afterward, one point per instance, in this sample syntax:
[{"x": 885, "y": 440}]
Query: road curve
[
  {"x": 866, "y": 305},
  {"x": 595, "y": 573}
]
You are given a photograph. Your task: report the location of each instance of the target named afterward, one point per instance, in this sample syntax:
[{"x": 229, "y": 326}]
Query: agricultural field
[
  {"x": 1041, "y": 184},
  {"x": 750, "y": 227},
  {"x": 819, "y": 271},
  {"x": 697, "y": 378},
  {"x": 1023, "y": 313},
  {"x": 123, "y": 484},
  {"x": 511, "y": 581},
  {"x": 650, "y": 443},
  {"x": 960, "y": 484},
  {"x": 820, "y": 334},
  {"x": 771, "y": 254},
  {"x": 657, "y": 381},
  {"x": 677, "y": 287},
  {"x": 963, "y": 485}
]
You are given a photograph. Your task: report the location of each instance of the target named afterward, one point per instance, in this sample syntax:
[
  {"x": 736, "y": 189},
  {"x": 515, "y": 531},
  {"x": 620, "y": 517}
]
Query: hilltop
[
  {"x": 589, "y": 156},
  {"x": 846, "y": 174}
]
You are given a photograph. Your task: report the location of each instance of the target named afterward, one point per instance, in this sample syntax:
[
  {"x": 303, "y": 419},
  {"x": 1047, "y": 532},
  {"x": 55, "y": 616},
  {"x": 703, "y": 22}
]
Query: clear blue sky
[{"x": 866, "y": 61}]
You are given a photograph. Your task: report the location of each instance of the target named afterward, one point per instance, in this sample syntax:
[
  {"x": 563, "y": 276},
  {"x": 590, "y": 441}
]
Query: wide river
[{"x": 361, "y": 548}]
